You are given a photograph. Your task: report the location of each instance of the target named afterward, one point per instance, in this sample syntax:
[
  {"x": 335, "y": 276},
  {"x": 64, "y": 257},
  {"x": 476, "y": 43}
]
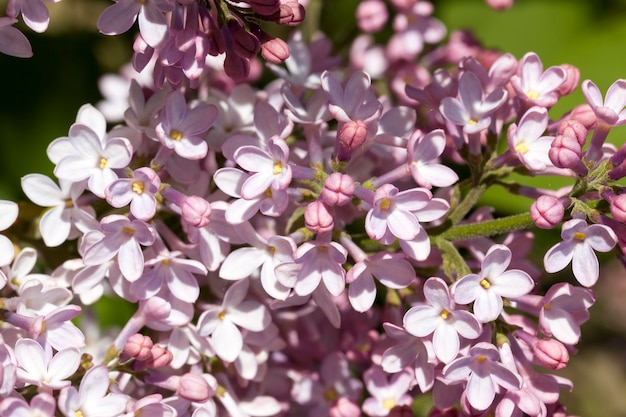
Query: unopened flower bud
[
  {"x": 275, "y": 50},
  {"x": 338, "y": 189},
  {"x": 351, "y": 135},
  {"x": 371, "y": 15},
  {"x": 566, "y": 152},
  {"x": 236, "y": 66},
  {"x": 584, "y": 114},
  {"x": 573, "y": 128},
  {"x": 547, "y": 212},
  {"x": 571, "y": 82},
  {"x": 245, "y": 44},
  {"x": 344, "y": 407},
  {"x": 161, "y": 357},
  {"x": 318, "y": 218},
  {"x": 298, "y": 12},
  {"x": 264, "y": 7},
  {"x": 618, "y": 208},
  {"x": 500, "y": 4},
  {"x": 551, "y": 353},
  {"x": 196, "y": 211},
  {"x": 401, "y": 411},
  {"x": 138, "y": 347},
  {"x": 193, "y": 387}
]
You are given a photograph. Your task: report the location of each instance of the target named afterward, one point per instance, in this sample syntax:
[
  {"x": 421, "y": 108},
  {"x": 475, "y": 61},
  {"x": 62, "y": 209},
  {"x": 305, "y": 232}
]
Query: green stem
[
  {"x": 488, "y": 228},
  {"x": 467, "y": 203}
]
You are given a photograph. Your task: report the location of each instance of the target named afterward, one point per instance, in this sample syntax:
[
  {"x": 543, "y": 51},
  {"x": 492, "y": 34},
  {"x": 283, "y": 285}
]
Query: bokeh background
[{"x": 40, "y": 97}]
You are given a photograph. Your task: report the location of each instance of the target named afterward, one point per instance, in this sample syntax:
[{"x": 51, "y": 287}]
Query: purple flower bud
[
  {"x": 338, "y": 189},
  {"x": 584, "y": 114},
  {"x": 196, "y": 211},
  {"x": 245, "y": 44},
  {"x": 161, "y": 357},
  {"x": 138, "y": 346},
  {"x": 551, "y": 353},
  {"x": 566, "y": 152},
  {"x": 571, "y": 82},
  {"x": 547, "y": 212},
  {"x": 618, "y": 208},
  {"x": 264, "y": 7},
  {"x": 351, "y": 135},
  {"x": 448, "y": 412},
  {"x": 318, "y": 218},
  {"x": 371, "y": 15},
  {"x": 500, "y": 4},
  {"x": 275, "y": 50},
  {"x": 194, "y": 388},
  {"x": 401, "y": 411},
  {"x": 573, "y": 128},
  {"x": 236, "y": 67}
]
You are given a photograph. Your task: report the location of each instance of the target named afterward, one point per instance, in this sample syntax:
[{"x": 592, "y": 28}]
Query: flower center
[
  {"x": 532, "y": 94},
  {"x": 78, "y": 413},
  {"x": 472, "y": 122},
  {"x": 481, "y": 358},
  {"x": 579, "y": 236},
  {"x": 521, "y": 148},
  {"x": 129, "y": 230},
  {"x": 385, "y": 204},
  {"x": 445, "y": 314},
  {"x": 389, "y": 403},
  {"x": 137, "y": 187},
  {"x": 221, "y": 315},
  {"x": 103, "y": 163},
  {"x": 485, "y": 283},
  {"x": 278, "y": 168},
  {"x": 176, "y": 135},
  {"x": 331, "y": 395}
]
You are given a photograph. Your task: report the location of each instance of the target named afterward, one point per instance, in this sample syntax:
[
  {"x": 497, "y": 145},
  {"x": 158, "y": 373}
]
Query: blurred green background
[{"x": 41, "y": 95}]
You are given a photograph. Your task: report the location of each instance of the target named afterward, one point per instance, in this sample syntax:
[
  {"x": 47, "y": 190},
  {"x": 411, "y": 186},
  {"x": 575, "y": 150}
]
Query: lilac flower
[
  {"x": 471, "y": 110},
  {"x": 8, "y": 367},
  {"x": 577, "y": 247},
  {"x": 122, "y": 237},
  {"x": 8, "y": 215},
  {"x": 34, "y": 12},
  {"x": 494, "y": 282},
  {"x": 64, "y": 218},
  {"x": 535, "y": 86},
  {"x": 563, "y": 309},
  {"x": 182, "y": 127},
  {"x": 438, "y": 317},
  {"x": 12, "y": 41},
  {"x": 271, "y": 169},
  {"x": 139, "y": 191},
  {"x": 91, "y": 398},
  {"x": 119, "y": 17},
  {"x": 87, "y": 158},
  {"x": 483, "y": 373},
  {"x": 422, "y": 159},
  {"x": 38, "y": 366},
  {"x": 222, "y": 323},
  {"x": 609, "y": 110},
  {"x": 355, "y": 101},
  {"x": 527, "y": 142},
  {"x": 41, "y": 405},
  {"x": 385, "y": 395},
  {"x": 392, "y": 213}
]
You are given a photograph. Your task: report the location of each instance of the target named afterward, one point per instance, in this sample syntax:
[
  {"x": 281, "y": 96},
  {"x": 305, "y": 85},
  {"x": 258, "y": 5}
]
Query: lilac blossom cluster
[{"x": 313, "y": 246}]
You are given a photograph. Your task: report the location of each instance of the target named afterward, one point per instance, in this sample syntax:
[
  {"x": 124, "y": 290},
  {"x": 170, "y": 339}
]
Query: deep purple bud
[
  {"x": 318, "y": 218},
  {"x": 264, "y": 7},
  {"x": 338, "y": 189},
  {"x": 401, "y": 411},
  {"x": 196, "y": 211},
  {"x": 351, "y": 135},
  {"x": 566, "y": 152},
  {"x": 245, "y": 44},
  {"x": 193, "y": 387},
  {"x": 371, "y": 15},
  {"x": 236, "y": 67},
  {"x": 448, "y": 412},
  {"x": 573, "y": 128},
  {"x": 551, "y": 353},
  {"x": 618, "y": 208},
  {"x": 547, "y": 212}
]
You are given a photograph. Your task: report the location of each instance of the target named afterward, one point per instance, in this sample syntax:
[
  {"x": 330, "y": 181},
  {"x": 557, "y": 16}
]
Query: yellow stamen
[
  {"x": 385, "y": 204},
  {"x": 137, "y": 187},
  {"x": 521, "y": 148},
  {"x": 268, "y": 192},
  {"x": 579, "y": 236},
  {"x": 78, "y": 413},
  {"x": 389, "y": 403},
  {"x": 103, "y": 163},
  {"x": 176, "y": 135},
  {"x": 278, "y": 168},
  {"x": 221, "y": 315},
  {"x": 165, "y": 261},
  {"x": 129, "y": 230},
  {"x": 69, "y": 203},
  {"x": 331, "y": 395},
  {"x": 482, "y": 358},
  {"x": 485, "y": 283},
  {"x": 445, "y": 314},
  {"x": 15, "y": 282},
  {"x": 547, "y": 306},
  {"x": 532, "y": 94},
  {"x": 472, "y": 122}
]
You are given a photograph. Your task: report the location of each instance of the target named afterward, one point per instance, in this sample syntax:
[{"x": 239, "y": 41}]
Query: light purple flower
[
  {"x": 182, "y": 128},
  {"x": 38, "y": 366},
  {"x": 12, "y": 41},
  {"x": 439, "y": 317},
  {"x": 483, "y": 373},
  {"x": 423, "y": 160},
  {"x": 494, "y": 282},
  {"x": 41, "y": 405},
  {"x": 119, "y": 17},
  {"x": 609, "y": 110},
  {"x": 564, "y": 308},
  {"x": 526, "y": 141},
  {"x": 34, "y": 12},
  {"x": 385, "y": 394},
  {"x": 536, "y": 86},
  {"x": 355, "y": 101},
  {"x": 8, "y": 215},
  {"x": 577, "y": 247},
  {"x": 139, "y": 191},
  {"x": 471, "y": 110}
]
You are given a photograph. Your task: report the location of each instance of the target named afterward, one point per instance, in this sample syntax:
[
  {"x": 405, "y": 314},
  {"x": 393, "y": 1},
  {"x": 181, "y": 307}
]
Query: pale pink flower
[
  {"x": 439, "y": 317},
  {"x": 483, "y": 373},
  {"x": 563, "y": 309},
  {"x": 355, "y": 101},
  {"x": 385, "y": 394},
  {"x": 610, "y": 109},
  {"x": 578, "y": 245},
  {"x": 119, "y": 17},
  {"x": 91, "y": 398},
  {"x": 41, "y": 405},
  {"x": 423, "y": 160},
  {"x": 494, "y": 282},
  {"x": 222, "y": 322},
  {"x": 139, "y": 191},
  {"x": 8, "y": 366},
  {"x": 526, "y": 141},
  {"x": 38, "y": 366},
  {"x": 8, "y": 215},
  {"x": 122, "y": 237},
  {"x": 536, "y": 86}
]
